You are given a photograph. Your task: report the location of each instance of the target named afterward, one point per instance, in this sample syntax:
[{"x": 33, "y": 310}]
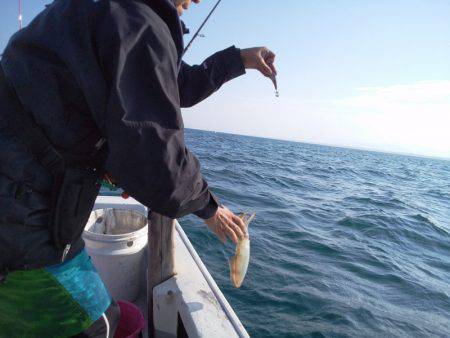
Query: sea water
[{"x": 346, "y": 243}]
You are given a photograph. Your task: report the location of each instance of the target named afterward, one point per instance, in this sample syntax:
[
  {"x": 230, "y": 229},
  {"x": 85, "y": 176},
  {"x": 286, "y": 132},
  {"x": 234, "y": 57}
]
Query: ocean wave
[
  {"x": 346, "y": 243},
  {"x": 364, "y": 202}
]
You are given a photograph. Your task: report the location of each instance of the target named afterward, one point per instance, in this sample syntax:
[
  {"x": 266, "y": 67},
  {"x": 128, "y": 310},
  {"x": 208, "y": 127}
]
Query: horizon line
[{"x": 331, "y": 145}]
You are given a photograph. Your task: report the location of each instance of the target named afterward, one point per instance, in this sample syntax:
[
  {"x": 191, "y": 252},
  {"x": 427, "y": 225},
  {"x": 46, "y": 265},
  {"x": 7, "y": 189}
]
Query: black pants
[{"x": 103, "y": 328}]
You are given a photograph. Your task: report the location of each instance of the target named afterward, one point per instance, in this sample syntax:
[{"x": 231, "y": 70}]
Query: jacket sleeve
[
  {"x": 196, "y": 83},
  {"x": 142, "y": 123}
]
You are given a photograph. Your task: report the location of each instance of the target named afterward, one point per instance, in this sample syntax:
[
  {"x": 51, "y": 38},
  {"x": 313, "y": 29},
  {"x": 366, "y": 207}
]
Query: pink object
[{"x": 132, "y": 321}]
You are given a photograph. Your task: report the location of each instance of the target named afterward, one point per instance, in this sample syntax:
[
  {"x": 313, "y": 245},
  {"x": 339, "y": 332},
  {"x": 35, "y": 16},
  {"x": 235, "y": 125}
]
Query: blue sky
[{"x": 369, "y": 74}]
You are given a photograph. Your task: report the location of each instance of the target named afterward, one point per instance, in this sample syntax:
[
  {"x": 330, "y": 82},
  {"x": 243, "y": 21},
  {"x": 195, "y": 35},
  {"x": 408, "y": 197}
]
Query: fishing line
[{"x": 201, "y": 26}]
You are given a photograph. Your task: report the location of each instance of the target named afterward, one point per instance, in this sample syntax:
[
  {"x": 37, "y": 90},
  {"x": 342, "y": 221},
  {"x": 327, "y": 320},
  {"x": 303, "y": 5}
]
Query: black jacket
[{"x": 88, "y": 69}]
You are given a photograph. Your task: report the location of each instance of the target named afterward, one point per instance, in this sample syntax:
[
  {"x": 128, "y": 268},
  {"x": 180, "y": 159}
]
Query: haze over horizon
[
  {"x": 371, "y": 75},
  {"x": 328, "y": 145}
]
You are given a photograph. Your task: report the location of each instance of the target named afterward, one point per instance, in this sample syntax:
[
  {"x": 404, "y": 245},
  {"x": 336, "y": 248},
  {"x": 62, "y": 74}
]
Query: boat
[{"x": 179, "y": 297}]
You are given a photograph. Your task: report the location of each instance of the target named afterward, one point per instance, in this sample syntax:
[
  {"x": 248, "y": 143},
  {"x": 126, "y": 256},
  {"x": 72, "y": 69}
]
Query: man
[{"x": 93, "y": 86}]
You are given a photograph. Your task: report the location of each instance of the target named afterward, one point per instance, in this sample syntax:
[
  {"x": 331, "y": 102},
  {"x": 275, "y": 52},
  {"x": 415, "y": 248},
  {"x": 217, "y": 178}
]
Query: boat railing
[
  {"x": 182, "y": 298},
  {"x": 185, "y": 300}
]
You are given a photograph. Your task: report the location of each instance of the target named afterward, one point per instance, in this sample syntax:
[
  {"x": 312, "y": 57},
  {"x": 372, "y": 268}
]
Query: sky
[{"x": 358, "y": 73}]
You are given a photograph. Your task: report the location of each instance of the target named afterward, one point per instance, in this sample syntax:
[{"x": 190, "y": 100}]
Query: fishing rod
[
  {"x": 20, "y": 14},
  {"x": 197, "y": 33},
  {"x": 20, "y": 19},
  {"x": 201, "y": 26}
]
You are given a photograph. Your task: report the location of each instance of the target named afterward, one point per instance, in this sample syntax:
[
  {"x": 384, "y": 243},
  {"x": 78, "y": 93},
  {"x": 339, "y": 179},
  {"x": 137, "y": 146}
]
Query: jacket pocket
[{"x": 75, "y": 200}]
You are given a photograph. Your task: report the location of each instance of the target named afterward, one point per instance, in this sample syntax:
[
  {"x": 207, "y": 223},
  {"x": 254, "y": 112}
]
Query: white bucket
[{"x": 116, "y": 240}]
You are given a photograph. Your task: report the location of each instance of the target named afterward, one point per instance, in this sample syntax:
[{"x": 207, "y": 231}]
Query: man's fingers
[
  {"x": 231, "y": 233},
  {"x": 264, "y": 68},
  {"x": 238, "y": 226},
  {"x": 232, "y": 229},
  {"x": 225, "y": 225},
  {"x": 271, "y": 55},
  {"x": 269, "y": 59},
  {"x": 274, "y": 70},
  {"x": 222, "y": 236},
  {"x": 268, "y": 55},
  {"x": 240, "y": 223},
  {"x": 228, "y": 222}
]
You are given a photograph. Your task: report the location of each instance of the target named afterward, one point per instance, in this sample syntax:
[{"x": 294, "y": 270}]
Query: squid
[{"x": 239, "y": 262}]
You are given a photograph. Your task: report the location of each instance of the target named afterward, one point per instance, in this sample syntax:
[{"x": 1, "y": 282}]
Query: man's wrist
[
  {"x": 210, "y": 209},
  {"x": 234, "y": 63}
]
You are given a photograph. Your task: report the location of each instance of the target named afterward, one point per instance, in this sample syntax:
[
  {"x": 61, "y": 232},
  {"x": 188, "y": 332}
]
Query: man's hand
[
  {"x": 224, "y": 223},
  {"x": 260, "y": 58}
]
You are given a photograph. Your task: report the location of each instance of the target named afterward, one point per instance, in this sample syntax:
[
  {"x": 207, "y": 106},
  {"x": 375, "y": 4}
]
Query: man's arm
[
  {"x": 196, "y": 83},
  {"x": 142, "y": 122}
]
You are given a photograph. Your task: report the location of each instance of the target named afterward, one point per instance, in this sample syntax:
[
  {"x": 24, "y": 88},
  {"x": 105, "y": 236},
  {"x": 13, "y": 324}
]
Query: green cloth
[{"x": 34, "y": 304}]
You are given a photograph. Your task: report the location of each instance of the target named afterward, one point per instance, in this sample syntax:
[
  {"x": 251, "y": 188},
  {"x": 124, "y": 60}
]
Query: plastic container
[
  {"x": 132, "y": 321},
  {"x": 116, "y": 240}
]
